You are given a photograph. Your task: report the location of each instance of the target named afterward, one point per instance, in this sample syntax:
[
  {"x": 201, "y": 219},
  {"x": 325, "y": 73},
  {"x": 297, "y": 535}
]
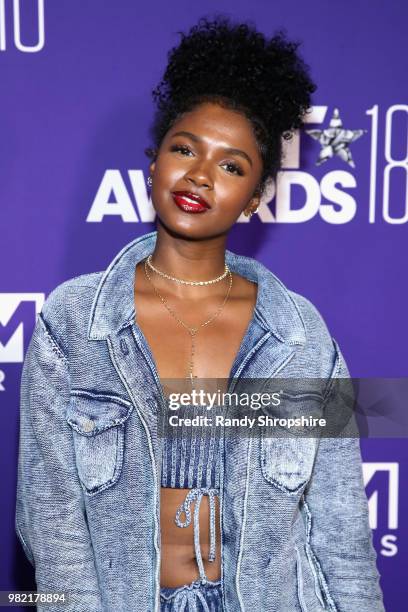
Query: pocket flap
[
  {"x": 91, "y": 413},
  {"x": 301, "y": 409}
]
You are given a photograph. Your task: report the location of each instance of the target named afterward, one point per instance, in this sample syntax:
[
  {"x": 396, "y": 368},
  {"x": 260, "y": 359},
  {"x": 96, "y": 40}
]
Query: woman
[{"x": 109, "y": 510}]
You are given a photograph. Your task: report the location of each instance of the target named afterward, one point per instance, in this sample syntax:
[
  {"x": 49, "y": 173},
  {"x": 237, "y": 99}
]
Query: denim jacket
[{"x": 88, "y": 496}]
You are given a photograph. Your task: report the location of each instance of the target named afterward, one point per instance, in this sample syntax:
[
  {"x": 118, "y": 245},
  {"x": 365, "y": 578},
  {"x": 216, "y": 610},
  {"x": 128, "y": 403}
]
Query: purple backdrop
[{"x": 75, "y": 107}]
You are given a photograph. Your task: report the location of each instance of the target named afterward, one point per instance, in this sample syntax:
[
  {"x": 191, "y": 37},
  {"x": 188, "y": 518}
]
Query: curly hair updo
[{"x": 239, "y": 68}]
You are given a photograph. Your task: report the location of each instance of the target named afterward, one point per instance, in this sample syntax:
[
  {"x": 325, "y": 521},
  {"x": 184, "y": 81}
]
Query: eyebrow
[{"x": 229, "y": 150}]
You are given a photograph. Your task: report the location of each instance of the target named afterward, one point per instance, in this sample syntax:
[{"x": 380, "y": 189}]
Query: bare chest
[{"x": 215, "y": 346}]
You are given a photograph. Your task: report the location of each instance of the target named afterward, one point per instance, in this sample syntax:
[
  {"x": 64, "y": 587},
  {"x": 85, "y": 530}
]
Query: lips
[{"x": 190, "y": 202}]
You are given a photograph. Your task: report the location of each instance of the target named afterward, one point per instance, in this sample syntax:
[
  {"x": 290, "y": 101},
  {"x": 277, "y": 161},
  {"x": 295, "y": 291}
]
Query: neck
[{"x": 189, "y": 259}]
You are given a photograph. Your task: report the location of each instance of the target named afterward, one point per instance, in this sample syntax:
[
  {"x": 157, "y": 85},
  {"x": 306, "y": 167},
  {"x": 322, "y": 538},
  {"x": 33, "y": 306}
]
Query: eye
[
  {"x": 233, "y": 168},
  {"x": 183, "y": 149}
]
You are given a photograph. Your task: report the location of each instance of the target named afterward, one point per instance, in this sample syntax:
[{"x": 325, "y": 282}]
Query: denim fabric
[
  {"x": 194, "y": 597},
  {"x": 191, "y": 459},
  {"x": 89, "y": 474}
]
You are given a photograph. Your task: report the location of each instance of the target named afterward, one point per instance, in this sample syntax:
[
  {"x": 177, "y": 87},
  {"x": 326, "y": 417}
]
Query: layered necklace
[{"x": 191, "y": 330}]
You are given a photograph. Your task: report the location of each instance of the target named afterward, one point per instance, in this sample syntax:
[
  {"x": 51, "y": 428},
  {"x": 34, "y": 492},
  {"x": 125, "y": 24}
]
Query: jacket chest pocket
[
  {"x": 98, "y": 427},
  {"x": 288, "y": 453}
]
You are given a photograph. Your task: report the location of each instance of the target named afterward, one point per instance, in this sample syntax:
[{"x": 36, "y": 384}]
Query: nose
[{"x": 199, "y": 175}]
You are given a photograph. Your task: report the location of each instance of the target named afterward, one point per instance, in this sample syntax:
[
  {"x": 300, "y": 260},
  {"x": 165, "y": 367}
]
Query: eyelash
[{"x": 237, "y": 169}]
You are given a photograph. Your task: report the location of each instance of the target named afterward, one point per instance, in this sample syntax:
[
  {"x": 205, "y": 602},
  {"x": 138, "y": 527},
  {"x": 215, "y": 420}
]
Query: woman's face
[{"x": 210, "y": 153}]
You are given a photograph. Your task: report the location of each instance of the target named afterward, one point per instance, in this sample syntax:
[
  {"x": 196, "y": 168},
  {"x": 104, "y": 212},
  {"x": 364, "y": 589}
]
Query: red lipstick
[{"x": 190, "y": 202}]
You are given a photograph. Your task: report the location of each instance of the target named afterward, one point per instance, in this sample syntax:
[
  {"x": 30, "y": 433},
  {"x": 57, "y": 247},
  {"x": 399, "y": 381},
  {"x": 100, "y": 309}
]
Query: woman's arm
[
  {"x": 336, "y": 510},
  {"x": 50, "y": 517}
]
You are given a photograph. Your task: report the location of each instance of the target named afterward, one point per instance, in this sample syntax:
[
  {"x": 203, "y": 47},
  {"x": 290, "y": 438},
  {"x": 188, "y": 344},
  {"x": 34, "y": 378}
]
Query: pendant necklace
[{"x": 192, "y": 330}]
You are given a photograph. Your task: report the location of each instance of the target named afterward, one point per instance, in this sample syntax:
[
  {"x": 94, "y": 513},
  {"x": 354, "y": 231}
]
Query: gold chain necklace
[
  {"x": 192, "y": 330},
  {"x": 186, "y": 282}
]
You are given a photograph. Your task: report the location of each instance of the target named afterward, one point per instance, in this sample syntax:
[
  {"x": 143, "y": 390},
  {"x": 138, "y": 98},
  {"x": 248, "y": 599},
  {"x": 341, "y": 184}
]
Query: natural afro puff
[{"x": 239, "y": 68}]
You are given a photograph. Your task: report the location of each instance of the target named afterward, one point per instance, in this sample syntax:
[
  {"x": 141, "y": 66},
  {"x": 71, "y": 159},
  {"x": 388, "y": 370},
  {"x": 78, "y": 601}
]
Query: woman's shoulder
[
  {"x": 68, "y": 305},
  {"x": 76, "y": 288},
  {"x": 304, "y": 321},
  {"x": 309, "y": 312},
  {"x": 320, "y": 342}
]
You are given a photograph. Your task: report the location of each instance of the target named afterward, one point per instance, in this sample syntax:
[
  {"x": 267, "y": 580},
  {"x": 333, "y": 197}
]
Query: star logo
[{"x": 335, "y": 140}]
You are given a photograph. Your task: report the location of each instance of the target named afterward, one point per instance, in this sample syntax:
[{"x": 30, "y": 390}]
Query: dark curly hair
[{"x": 239, "y": 68}]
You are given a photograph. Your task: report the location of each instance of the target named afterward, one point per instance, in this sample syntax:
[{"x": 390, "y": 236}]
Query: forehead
[{"x": 216, "y": 124}]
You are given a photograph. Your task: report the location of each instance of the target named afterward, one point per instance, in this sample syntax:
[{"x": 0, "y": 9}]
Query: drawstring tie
[
  {"x": 197, "y": 494},
  {"x": 187, "y": 599}
]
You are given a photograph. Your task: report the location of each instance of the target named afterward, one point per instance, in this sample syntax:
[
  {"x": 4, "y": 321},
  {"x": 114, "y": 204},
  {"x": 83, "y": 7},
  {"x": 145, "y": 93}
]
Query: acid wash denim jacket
[{"x": 88, "y": 513}]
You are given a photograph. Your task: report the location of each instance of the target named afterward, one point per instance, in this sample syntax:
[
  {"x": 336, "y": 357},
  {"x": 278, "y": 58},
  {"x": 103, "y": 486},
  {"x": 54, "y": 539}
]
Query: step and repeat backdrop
[{"x": 75, "y": 108}]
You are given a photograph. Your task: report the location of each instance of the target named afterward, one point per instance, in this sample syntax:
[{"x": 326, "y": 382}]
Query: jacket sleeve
[
  {"x": 50, "y": 517},
  {"x": 335, "y": 503}
]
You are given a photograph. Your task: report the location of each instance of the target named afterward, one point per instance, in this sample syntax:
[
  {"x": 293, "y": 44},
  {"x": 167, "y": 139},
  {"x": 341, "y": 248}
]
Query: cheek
[
  {"x": 168, "y": 170},
  {"x": 234, "y": 194}
]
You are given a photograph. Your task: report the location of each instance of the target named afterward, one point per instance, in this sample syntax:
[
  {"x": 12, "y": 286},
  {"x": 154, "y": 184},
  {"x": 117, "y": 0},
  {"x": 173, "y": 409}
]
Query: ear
[
  {"x": 152, "y": 167},
  {"x": 253, "y": 203}
]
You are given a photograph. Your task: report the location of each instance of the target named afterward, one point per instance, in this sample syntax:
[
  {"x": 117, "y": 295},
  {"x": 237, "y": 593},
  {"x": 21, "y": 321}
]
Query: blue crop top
[{"x": 191, "y": 460}]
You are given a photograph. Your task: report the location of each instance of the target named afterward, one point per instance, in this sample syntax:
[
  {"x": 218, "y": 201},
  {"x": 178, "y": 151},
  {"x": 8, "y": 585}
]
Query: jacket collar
[{"x": 113, "y": 305}]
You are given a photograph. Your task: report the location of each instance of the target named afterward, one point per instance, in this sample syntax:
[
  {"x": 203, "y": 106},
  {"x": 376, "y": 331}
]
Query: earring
[{"x": 149, "y": 181}]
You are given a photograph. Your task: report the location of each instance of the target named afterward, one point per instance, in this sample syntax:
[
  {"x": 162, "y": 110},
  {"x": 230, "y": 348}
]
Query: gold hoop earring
[{"x": 249, "y": 213}]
